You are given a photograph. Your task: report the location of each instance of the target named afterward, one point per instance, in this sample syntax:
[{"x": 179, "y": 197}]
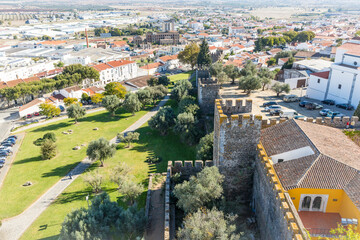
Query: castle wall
[
  {"x": 236, "y": 136},
  {"x": 276, "y": 214}
]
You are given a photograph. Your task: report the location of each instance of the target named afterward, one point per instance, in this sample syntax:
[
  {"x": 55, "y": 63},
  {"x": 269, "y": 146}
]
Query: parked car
[
  {"x": 6, "y": 150},
  {"x": 7, "y": 144},
  {"x": 334, "y": 114},
  {"x": 328, "y": 102},
  {"x": 275, "y": 112},
  {"x": 36, "y": 114},
  {"x": 3, "y": 154},
  {"x": 299, "y": 117},
  {"x": 28, "y": 116},
  {"x": 2, "y": 158},
  {"x": 272, "y": 107},
  {"x": 345, "y": 106},
  {"x": 291, "y": 98},
  {"x": 13, "y": 136},
  {"x": 303, "y": 103},
  {"x": 11, "y": 140},
  {"x": 62, "y": 108},
  {"x": 267, "y": 104},
  {"x": 2, "y": 162},
  {"x": 324, "y": 112},
  {"x": 1, "y": 165},
  {"x": 312, "y": 106},
  {"x": 288, "y": 113}
]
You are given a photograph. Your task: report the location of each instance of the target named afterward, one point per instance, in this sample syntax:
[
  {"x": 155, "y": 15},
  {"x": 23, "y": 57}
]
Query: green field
[
  {"x": 48, "y": 225},
  {"x": 28, "y": 165}
]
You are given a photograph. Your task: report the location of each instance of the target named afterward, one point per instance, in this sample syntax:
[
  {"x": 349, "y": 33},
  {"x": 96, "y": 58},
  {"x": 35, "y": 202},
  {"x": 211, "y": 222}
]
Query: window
[
  {"x": 280, "y": 160},
  {"x": 316, "y": 204},
  {"x": 306, "y": 203},
  {"x": 318, "y": 80},
  {"x": 355, "y": 63},
  {"x": 339, "y": 86}
]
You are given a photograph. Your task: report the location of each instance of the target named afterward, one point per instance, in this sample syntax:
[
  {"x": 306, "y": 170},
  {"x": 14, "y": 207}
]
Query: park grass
[
  {"x": 48, "y": 225},
  {"x": 177, "y": 77},
  {"x": 28, "y": 165}
]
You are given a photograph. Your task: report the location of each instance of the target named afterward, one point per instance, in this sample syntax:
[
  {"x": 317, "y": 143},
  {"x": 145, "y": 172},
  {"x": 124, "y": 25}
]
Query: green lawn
[
  {"x": 28, "y": 165},
  {"x": 48, "y": 225},
  {"x": 177, "y": 77}
]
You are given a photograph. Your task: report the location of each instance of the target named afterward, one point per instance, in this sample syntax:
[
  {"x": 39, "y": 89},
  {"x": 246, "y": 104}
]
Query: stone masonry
[
  {"x": 208, "y": 91},
  {"x": 236, "y": 135}
]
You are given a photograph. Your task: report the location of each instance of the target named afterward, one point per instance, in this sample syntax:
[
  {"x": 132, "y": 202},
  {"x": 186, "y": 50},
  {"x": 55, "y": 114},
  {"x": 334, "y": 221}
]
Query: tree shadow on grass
[
  {"x": 60, "y": 171},
  {"x": 56, "y": 237},
  {"x": 52, "y": 127},
  {"x": 32, "y": 159}
]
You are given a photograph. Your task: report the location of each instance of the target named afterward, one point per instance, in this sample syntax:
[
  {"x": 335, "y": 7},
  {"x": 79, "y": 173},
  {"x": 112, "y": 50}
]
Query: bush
[
  {"x": 48, "y": 149},
  {"x": 50, "y": 135}
]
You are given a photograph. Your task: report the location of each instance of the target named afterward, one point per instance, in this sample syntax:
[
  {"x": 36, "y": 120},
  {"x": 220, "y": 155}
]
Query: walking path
[
  {"x": 156, "y": 213},
  {"x": 14, "y": 227}
]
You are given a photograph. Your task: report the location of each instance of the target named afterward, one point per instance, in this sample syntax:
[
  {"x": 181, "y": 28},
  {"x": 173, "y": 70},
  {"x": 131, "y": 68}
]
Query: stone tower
[
  {"x": 208, "y": 91},
  {"x": 236, "y": 135}
]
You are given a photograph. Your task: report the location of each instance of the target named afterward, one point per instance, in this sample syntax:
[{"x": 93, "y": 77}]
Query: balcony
[{"x": 319, "y": 224}]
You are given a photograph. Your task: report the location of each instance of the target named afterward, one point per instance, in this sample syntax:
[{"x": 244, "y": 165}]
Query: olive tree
[
  {"x": 100, "y": 149},
  {"x": 111, "y": 103},
  {"x": 204, "y": 150},
  {"x": 201, "y": 190},
  {"x": 163, "y": 120},
  {"x": 75, "y": 111}
]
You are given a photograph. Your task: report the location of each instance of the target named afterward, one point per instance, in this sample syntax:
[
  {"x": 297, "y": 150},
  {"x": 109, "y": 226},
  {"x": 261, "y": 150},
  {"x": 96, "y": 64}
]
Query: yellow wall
[
  {"x": 333, "y": 194},
  {"x": 344, "y": 206}
]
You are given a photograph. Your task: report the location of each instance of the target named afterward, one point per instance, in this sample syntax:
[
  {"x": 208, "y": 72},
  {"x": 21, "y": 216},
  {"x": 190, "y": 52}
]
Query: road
[
  {"x": 7, "y": 118},
  {"x": 14, "y": 227}
]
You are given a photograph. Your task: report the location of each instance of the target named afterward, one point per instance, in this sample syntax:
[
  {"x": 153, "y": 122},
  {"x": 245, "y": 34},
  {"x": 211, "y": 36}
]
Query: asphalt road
[{"x": 7, "y": 118}]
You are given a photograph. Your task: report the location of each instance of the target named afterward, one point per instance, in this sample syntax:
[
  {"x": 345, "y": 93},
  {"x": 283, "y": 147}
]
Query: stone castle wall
[
  {"x": 236, "y": 135},
  {"x": 208, "y": 91},
  {"x": 276, "y": 214}
]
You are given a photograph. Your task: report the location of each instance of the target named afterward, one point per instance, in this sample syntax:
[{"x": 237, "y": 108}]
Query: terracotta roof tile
[{"x": 324, "y": 75}]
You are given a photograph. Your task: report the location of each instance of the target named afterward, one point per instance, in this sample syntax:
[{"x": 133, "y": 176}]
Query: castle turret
[
  {"x": 208, "y": 91},
  {"x": 236, "y": 135}
]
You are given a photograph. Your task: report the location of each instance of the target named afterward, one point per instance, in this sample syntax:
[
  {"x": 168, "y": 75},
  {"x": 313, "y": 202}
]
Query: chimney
[{"x": 87, "y": 38}]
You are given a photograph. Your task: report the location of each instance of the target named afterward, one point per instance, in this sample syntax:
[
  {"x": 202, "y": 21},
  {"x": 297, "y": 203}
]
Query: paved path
[
  {"x": 156, "y": 213},
  {"x": 14, "y": 227}
]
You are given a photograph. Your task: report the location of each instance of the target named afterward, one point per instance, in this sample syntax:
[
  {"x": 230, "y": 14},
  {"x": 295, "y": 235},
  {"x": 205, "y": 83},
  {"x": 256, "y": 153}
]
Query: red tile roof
[
  {"x": 101, "y": 67},
  {"x": 119, "y": 63},
  {"x": 324, "y": 75},
  {"x": 30, "y": 104},
  {"x": 52, "y": 42},
  {"x": 168, "y": 58},
  {"x": 13, "y": 83},
  {"x": 352, "y": 48}
]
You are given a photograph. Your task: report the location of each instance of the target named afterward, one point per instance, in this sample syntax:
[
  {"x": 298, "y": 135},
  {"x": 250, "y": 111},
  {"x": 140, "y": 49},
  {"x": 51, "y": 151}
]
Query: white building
[
  {"x": 343, "y": 82},
  {"x": 115, "y": 71},
  {"x": 31, "y": 107},
  {"x": 72, "y": 92}
]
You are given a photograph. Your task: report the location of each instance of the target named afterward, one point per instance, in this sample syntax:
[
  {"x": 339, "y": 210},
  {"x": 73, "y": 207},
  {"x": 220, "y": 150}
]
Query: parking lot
[{"x": 260, "y": 97}]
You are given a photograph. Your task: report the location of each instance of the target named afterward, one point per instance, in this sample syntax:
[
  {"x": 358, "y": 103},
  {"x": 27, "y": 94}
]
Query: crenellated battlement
[
  {"x": 233, "y": 106},
  {"x": 188, "y": 167},
  {"x": 208, "y": 81},
  {"x": 281, "y": 199}
]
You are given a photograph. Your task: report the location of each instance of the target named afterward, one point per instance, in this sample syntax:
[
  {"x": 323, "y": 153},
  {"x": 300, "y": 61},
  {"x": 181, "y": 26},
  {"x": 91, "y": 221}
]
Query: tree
[
  {"x": 75, "y": 111},
  {"x": 346, "y": 233},
  {"x": 190, "y": 54},
  {"x": 94, "y": 180},
  {"x": 279, "y": 88},
  {"x": 185, "y": 126},
  {"x": 164, "y": 80},
  {"x": 128, "y": 137},
  {"x": 265, "y": 76},
  {"x": 85, "y": 72},
  {"x": 97, "y": 98},
  {"x": 104, "y": 220},
  {"x": 271, "y": 62},
  {"x": 115, "y": 88},
  {"x": 111, "y": 103},
  {"x": 100, "y": 149},
  {"x": 145, "y": 96},
  {"x": 158, "y": 92},
  {"x": 181, "y": 89},
  {"x": 249, "y": 69},
  {"x": 208, "y": 224},
  {"x": 357, "y": 34},
  {"x": 204, "y": 58},
  {"x": 69, "y": 101},
  {"x": 153, "y": 81},
  {"x": 132, "y": 103},
  {"x": 120, "y": 173},
  {"x": 130, "y": 189},
  {"x": 46, "y": 37},
  {"x": 289, "y": 63},
  {"x": 85, "y": 97},
  {"x": 50, "y": 135},
  {"x": 199, "y": 191},
  {"x": 49, "y": 110},
  {"x": 48, "y": 149},
  {"x": 188, "y": 104},
  {"x": 249, "y": 83},
  {"x": 204, "y": 151},
  {"x": 163, "y": 120},
  {"x": 216, "y": 69},
  {"x": 232, "y": 72}
]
